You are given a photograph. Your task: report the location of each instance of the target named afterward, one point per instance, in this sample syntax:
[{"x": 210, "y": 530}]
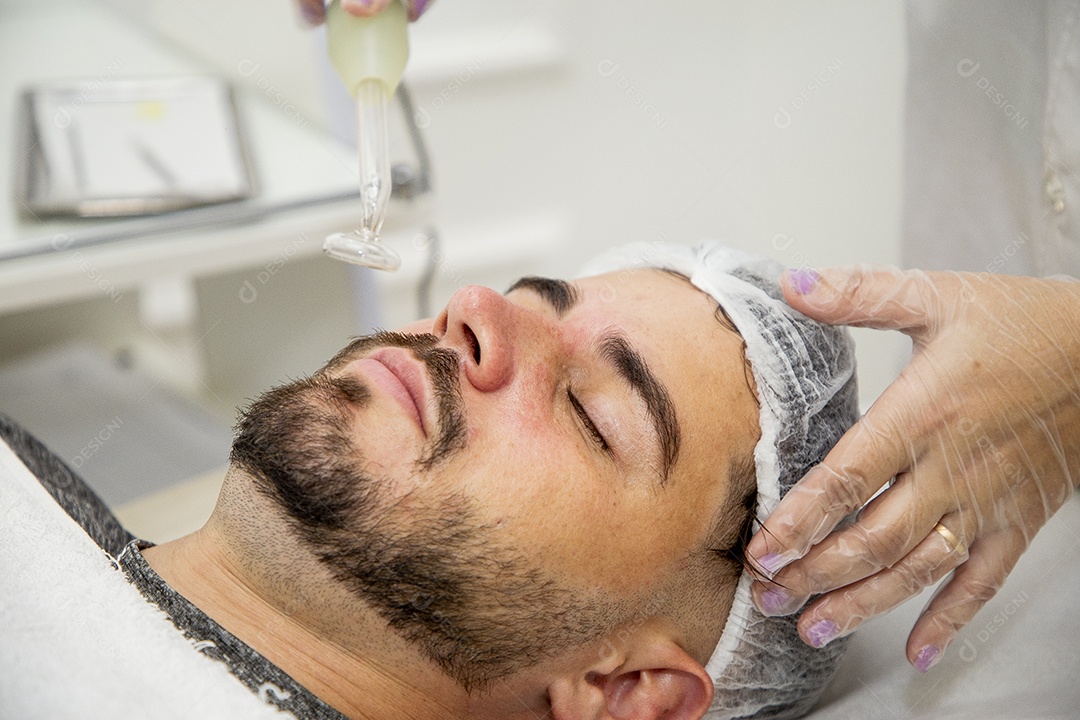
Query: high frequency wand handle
[{"x": 369, "y": 55}]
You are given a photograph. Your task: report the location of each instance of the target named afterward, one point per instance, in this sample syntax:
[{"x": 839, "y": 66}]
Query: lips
[{"x": 410, "y": 386}]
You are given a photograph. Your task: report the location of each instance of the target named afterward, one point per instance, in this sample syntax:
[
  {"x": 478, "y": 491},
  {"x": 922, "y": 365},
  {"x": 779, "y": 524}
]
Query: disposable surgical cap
[{"x": 806, "y": 389}]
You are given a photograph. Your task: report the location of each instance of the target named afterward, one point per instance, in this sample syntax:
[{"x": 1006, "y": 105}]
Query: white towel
[{"x": 77, "y": 640}]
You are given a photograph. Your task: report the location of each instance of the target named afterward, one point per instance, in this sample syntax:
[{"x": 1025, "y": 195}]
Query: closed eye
[{"x": 590, "y": 426}]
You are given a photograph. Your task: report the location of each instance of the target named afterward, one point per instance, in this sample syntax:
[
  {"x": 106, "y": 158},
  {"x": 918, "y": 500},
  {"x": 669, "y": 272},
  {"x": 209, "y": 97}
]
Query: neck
[{"x": 373, "y": 677}]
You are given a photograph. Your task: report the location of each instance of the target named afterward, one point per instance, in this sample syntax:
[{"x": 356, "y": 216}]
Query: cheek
[
  {"x": 601, "y": 541},
  {"x": 531, "y": 477},
  {"x": 550, "y": 500},
  {"x": 518, "y": 424}
]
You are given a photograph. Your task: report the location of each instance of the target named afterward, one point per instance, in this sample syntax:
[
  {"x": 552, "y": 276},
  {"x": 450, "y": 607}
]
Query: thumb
[{"x": 864, "y": 296}]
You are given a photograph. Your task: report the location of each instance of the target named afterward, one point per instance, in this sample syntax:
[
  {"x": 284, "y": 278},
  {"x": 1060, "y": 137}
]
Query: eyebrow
[
  {"x": 631, "y": 366},
  {"x": 616, "y": 350},
  {"x": 559, "y": 294}
]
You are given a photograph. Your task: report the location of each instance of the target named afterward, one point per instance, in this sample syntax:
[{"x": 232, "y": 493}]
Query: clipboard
[{"x": 130, "y": 147}]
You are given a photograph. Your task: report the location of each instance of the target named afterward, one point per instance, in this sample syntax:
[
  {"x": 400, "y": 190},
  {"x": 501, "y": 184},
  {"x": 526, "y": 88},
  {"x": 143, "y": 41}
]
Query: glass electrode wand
[{"x": 369, "y": 55}]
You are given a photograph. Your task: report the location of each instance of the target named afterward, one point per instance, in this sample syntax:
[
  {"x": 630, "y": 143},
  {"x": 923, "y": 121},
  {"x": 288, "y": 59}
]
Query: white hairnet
[{"x": 806, "y": 388}]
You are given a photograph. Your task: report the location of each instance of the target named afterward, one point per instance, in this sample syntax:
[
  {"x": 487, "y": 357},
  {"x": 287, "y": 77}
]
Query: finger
[
  {"x": 992, "y": 558},
  {"x": 841, "y": 611},
  {"x": 313, "y": 11},
  {"x": 886, "y": 531},
  {"x": 868, "y": 455},
  {"x": 884, "y": 298},
  {"x": 881, "y": 445},
  {"x": 418, "y": 8}
]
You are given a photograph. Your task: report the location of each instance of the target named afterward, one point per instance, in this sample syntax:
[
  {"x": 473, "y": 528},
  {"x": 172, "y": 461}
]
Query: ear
[{"x": 642, "y": 675}]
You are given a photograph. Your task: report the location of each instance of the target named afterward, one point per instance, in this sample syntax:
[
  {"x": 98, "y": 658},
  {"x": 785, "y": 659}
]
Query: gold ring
[{"x": 954, "y": 542}]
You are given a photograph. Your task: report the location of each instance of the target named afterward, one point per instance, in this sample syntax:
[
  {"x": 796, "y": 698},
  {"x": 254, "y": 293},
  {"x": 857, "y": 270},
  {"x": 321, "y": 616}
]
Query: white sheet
[
  {"x": 1019, "y": 657},
  {"x": 78, "y": 641}
]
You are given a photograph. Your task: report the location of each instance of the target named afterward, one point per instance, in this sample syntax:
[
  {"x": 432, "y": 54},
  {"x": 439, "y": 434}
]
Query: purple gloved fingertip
[
  {"x": 804, "y": 280},
  {"x": 927, "y": 658},
  {"x": 774, "y": 602},
  {"x": 772, "y": 563},
  {"x": 311, "y": 15},
  {"x": 822, "y": 633}
]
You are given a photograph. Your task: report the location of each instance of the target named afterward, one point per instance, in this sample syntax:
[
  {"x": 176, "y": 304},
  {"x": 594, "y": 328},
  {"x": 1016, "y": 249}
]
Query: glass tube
[{"x": 362, "y": 247}]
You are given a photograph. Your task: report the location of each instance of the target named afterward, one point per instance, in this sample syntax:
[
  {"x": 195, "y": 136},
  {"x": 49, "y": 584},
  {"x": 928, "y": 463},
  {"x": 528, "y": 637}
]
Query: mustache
[{"x": 442, "y": 365}]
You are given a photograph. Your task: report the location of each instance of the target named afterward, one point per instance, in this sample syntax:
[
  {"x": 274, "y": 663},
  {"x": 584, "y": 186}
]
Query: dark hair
[{"x": 736, "y": 520}]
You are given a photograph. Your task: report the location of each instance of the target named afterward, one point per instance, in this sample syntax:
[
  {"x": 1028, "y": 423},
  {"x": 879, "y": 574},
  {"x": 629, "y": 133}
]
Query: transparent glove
[
  {"x": 981, "y": 432},
  {"x": 314, "y": 11}
]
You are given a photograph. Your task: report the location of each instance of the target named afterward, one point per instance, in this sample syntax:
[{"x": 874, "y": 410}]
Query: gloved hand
[
  {"x": 981, "y": 431},
  {"x": 314, "y": 11}
]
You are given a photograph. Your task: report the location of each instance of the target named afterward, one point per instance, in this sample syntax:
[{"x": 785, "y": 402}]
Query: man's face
[{"x": 559, "y": 446}]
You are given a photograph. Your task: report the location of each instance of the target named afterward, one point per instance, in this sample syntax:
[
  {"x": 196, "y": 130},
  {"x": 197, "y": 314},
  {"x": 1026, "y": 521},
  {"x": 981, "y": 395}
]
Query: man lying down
[{"x": 534, "y": 505}]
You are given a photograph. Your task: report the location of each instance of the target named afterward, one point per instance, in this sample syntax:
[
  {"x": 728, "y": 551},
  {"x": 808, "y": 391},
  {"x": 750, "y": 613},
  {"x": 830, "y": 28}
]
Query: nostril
[{"x": 474, "y": 344}]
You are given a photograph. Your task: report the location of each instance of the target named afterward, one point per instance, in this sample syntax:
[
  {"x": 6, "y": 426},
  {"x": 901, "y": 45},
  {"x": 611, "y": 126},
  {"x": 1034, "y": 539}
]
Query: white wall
[
  {"x": 570, "y": 125},
  {"x": 773, "y": 125}
]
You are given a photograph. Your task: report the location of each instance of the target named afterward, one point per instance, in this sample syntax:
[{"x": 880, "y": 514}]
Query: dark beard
[
  {"x": 442, "y": 367},
  {"x": 298, "y": 437},
  {"x": 479, "y": 608}
]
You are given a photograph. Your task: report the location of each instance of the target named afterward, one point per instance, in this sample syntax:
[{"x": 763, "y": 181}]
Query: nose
[{"x": 479, "y": 324}]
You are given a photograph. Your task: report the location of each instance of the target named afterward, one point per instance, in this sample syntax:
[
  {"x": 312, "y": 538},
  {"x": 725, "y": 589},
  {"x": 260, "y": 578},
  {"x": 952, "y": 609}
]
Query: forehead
[
  {"x": 647, "y": 292},
  {"x": 675, "y": 323}
]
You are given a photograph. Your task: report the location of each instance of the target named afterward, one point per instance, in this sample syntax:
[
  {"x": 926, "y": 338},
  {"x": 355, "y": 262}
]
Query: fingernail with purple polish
[
  {"x": 418, "y": 8},
  {"x": 804, "y": 280},
  {"x": 774, "y": 602},
  {"x": 772, "y": 563},
  {"x": 927, "y": 658},
  {"x": 821, "y": 633}
]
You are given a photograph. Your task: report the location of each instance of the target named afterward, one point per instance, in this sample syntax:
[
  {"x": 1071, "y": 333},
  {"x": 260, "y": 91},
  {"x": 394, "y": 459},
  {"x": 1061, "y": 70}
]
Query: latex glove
[
  {"x": 314, "y": 11},
  {"x": 981, "y": 431}
]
